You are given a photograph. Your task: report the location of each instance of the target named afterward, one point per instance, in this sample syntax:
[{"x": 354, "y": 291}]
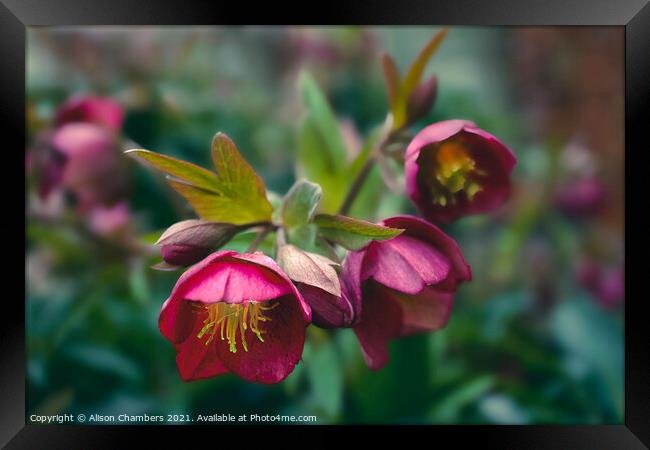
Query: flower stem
[
  {"x": 357, "y": 184},
  {"x": 387, "y": 134},
  {"x": 259, "y": 238}
]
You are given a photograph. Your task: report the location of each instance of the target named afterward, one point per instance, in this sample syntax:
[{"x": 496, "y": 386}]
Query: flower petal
[
  {"x": 427, "y": 311},
  {"x": 196, "y": 361},
  {"x": 328, "y": 310},
  {"x": 427, "y": 232},
  {"x": 405, "y": 264},
  {"x": 225, "y": 276},
  {"x": 381, "y": 321},
  {"x": 180, "y": 325}
]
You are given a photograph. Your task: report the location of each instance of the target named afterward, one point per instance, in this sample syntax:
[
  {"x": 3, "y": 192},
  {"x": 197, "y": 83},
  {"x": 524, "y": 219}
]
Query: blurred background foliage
[{"x": 536, "y": 337}]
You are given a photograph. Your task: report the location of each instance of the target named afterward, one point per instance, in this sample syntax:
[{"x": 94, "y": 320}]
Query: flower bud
[
  {"x": 319, "y": 284},
  {"x": 189, "y": 241},
  {"x": 421, "y": 99}
]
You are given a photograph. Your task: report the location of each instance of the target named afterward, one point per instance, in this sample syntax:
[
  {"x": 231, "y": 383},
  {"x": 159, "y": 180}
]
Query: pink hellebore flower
[
  {"x": 235, "y": 313},
  {"x": 93, "y": 168},
  {"x": 454, "y": 169},
  {"x": 102, "y": 111},
  {"x": 406, "y": 284}
]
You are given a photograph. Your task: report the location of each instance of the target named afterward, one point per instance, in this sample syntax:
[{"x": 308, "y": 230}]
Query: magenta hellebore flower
[
  {"x": 454, "y": 169},
  {"x": 102, "y": 111},
  {"x": 406, "y": 284},
  {"x": 93, "y": 169},
  {"x": 235, "y": 313}
]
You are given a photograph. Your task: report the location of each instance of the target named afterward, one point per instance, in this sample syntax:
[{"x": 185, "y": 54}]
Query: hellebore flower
[
  {"x": 406, "y": 284},
  {"x": 91, "y": 109},
  {"x": 329, "y": 298},
  {"x": 93, "y": 169},
  {"x": 235, "y": 313},
  {"x": 454, "y": 169},
  {"x": 582, "y": 198}
]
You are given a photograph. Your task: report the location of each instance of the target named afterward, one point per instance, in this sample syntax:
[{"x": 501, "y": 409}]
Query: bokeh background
[{"x": 536, "y": 337}]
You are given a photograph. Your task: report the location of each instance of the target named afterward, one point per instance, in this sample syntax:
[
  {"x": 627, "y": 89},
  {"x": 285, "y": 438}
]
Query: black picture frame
[{"x": 633, "y": 15}]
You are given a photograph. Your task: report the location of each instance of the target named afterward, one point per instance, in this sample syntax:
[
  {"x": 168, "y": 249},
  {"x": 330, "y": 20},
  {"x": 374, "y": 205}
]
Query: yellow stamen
[
  {"x": 231, "y": 318},
  {"x": 452, "y": 167}
]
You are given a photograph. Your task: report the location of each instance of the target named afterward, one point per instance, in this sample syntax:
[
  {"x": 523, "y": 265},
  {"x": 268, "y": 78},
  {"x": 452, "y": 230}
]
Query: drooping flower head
[
  {"x": 235, "y": 313},
  {"x": 454, "y": 169},
  {"x": 406, "y": 284}
]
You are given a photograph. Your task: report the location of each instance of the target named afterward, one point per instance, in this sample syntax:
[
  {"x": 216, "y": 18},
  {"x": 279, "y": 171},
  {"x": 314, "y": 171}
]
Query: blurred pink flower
[
  {"x": 93, "y": 169},
  {"x": 111, "y": 220},
  {"x": 102, "y": 111}
]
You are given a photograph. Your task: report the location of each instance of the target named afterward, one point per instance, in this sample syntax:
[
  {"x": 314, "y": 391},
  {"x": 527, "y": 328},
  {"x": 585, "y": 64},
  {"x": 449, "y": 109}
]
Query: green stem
[
  {"x": 357, "y": 184},
  {"x": 259, "y": 238}
]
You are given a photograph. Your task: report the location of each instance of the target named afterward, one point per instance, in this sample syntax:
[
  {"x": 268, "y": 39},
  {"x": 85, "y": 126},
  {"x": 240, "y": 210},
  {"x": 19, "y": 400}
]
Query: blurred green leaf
[
  {"x": 326, "y": 378},
  {"x": 392, "y": 79},
  {"x": 448, "y": 408},
  {"x": 104, "y": 359},
  {"x": 413, "y": 77},
  {"x": 325, "y": 122},
  {"x": 321, "y": 155},
  {"x": 499, "y": 408},
  {"x": 352, "y": 233}
]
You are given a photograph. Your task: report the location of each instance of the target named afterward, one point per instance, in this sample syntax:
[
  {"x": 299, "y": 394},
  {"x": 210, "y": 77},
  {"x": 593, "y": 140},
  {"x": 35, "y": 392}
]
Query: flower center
[
  {"x": 228, "y": 319},
  {"x": 453, "y": 164}
]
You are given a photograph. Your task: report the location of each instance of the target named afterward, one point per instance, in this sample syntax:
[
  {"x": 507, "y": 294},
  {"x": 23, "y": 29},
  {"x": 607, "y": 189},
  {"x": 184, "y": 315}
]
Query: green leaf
[
  {"x": 183, "y": 170},
  {"x": 235, "y": 194},
  {"x": 326, "y": 378},
  {"x": 352, "y": 233},
  {"x": 413, "y": 77},
  {"x": 300, "y": 203},
  {"x": 448, "y": 408},
  {"x": 304, "y": 236},
  {"x": 324, "y": 120},
  {"x": 392, "y": 78},
  {"x": 315, "y": 164}
]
